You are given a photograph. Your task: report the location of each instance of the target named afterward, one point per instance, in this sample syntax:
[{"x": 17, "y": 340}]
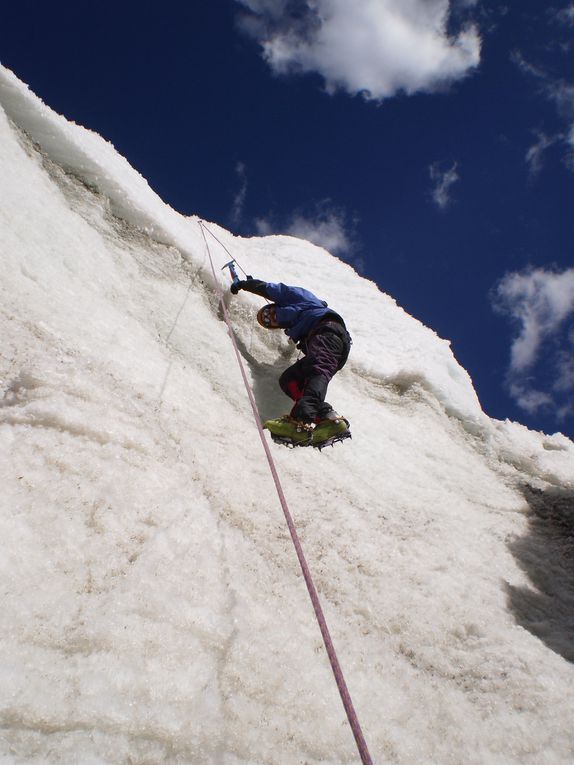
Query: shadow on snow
[
  {"x": 546, "y": 555},
  {"x": 270, "y": 399}
]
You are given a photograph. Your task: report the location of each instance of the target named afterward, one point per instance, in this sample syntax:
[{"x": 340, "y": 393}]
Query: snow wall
[{"x": 153, "y": 609}]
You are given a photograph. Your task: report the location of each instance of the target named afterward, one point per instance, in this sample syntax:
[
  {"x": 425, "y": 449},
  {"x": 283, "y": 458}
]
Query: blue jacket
[{"x": 297, "y": 309}]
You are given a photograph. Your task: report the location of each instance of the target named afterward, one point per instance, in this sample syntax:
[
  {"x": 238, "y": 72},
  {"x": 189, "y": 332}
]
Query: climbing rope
[
  {"x": 334, "y": 661},
  {"x": 202, "y": 224}
]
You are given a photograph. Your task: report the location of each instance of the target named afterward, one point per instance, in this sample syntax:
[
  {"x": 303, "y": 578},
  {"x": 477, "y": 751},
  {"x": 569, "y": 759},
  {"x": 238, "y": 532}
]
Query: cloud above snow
[
  {"x": 375, "y": 48},
  {"x": 540, "y": 303},
  {"x": 443, "y": 179},
  {"x": 328, "y": 232},
  {"x": 327, "y": 227},
  {"x": 239, "y": 198}
]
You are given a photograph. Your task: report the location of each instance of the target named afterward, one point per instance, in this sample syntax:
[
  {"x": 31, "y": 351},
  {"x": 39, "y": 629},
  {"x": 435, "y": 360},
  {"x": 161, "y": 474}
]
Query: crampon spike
[
  {"x": 294, "y": 445},
  {"x": 332, "y": 441}
]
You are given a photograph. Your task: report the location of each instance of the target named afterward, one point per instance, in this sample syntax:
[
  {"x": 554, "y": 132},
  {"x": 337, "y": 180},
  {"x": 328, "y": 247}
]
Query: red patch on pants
[{"x": 294, "y": 390}]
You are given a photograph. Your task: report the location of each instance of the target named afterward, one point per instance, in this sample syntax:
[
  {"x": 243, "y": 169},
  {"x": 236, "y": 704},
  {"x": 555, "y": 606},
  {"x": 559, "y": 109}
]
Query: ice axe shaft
[{"x": 232, "y": 271}]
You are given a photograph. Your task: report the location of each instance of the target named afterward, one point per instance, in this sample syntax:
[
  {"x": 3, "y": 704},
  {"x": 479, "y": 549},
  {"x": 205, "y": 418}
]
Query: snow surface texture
[{"x": 152, "y": 606}]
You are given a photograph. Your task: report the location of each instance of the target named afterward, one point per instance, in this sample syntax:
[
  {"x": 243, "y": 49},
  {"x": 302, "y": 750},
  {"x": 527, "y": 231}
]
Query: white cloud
[
  {"x": 375, "y": 48},
  {"x": 239, "y": 199},
  {"x": 443, "y": 180},
  {"x": 526, "y": 66},
  {"x": 562, "y": 94},
  {"x": 565, "y": 371},
  {"x": 539, "y": 301},
  {"x": 565, "y": 15},
  {"x": 264, "y": 227},
  {"x": 528, "y": 398},
  {"x": 328, "y": 232},
  {"x": 328, "y": 228},
  {"x": 535, "y": 154},
  {"x": 570, "y": 142}
]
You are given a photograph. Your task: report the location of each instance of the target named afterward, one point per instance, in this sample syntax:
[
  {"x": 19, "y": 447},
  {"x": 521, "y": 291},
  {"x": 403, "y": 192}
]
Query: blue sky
[{"x": 430, "y": 144}]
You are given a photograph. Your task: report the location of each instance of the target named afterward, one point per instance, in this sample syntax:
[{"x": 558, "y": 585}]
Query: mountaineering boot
[
  {"x": 287, "y": 430},
  {"x": 330, "y": 430}
]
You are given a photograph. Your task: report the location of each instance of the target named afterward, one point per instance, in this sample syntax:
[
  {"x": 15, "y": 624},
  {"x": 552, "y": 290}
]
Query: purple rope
[{"x": 334, "y": 661}]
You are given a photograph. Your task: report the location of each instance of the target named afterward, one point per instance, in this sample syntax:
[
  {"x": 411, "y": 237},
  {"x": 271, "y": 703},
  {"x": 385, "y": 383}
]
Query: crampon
[{"x": 321, "y": 445}]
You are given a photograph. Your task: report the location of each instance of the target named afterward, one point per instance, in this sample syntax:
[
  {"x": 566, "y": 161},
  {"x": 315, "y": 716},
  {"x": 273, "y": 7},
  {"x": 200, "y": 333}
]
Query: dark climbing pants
[{"x": 306, "y": 381}]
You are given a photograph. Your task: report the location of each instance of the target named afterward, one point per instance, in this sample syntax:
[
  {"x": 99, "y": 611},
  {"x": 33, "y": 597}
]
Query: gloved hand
[{"x": 241, "y": 285}]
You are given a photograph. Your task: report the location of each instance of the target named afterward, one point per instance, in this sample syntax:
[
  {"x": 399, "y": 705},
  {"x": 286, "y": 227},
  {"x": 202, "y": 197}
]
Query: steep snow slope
[{"x": 153, "y": 610}]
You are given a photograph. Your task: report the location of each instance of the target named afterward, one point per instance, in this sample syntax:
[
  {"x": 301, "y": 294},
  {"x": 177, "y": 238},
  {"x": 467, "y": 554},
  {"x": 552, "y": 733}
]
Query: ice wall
[{"x": 153, "y": 610}]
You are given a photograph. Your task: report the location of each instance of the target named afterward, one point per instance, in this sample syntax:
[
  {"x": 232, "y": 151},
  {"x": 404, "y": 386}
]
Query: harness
[{"x": 331, "y": 322}]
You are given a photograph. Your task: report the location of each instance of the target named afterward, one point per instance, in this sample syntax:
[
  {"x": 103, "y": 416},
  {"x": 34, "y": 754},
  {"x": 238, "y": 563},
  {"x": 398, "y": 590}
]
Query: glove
[
  {"x": 236, "y": 286},
  {"x": 251, "y": 285}
]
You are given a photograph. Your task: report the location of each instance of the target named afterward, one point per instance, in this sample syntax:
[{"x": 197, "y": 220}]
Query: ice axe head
[{"x": 232, "y": 271}]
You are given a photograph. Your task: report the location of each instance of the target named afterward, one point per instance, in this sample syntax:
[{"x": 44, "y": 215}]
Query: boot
[
  {"x": 333, "y": 425},
  {"x": 290, "y": 429}
]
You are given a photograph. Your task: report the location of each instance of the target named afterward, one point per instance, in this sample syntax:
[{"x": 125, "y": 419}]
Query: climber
[{"x": 320, "y": 333}]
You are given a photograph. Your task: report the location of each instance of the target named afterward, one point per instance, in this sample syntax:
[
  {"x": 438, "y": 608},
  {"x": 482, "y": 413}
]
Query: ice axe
[{"x": 232, "y": 271}]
